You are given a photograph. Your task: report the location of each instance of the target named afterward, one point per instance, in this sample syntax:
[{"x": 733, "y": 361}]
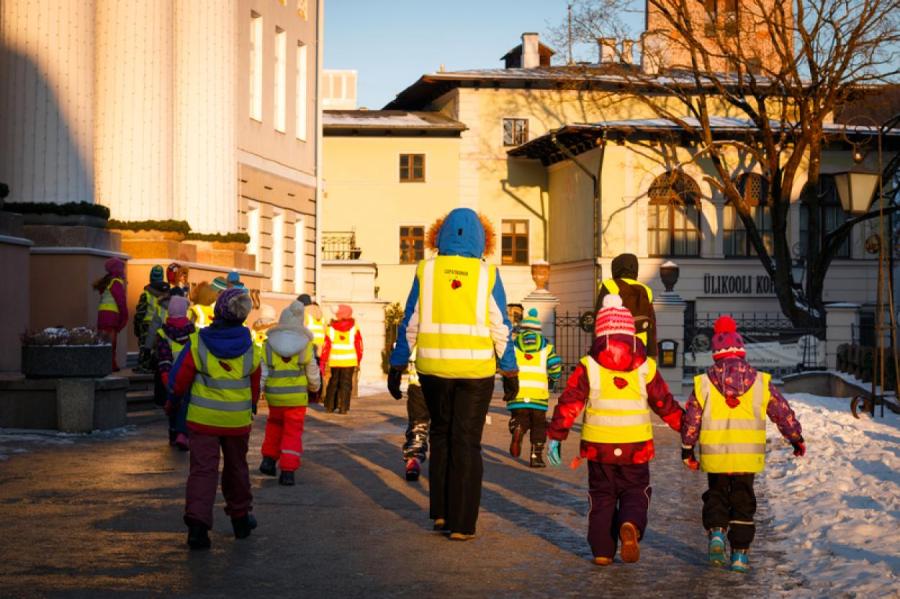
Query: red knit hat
[
  {"x": 726, "y": 341},
  {"x": 613, "y": 318}
]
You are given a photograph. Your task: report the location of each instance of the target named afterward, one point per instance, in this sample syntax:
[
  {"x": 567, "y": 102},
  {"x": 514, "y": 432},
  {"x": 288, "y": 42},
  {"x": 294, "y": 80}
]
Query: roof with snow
[
  {"x": 559, "y": 144},
  {"x": 375, "y": 122}
]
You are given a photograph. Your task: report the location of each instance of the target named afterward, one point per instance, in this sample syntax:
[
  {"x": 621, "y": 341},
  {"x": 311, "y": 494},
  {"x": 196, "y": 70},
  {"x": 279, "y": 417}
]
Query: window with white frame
[
  {"x": 302, "y": 74},
  {"x": 256, "y": 65},
  {"x": 277, "y": 251},
  {"x": 299, "y": 255},
  {"x": 515, "y": 132},
  {"x": 280, "y": 78},
  {"x": 253, "y": 230}
]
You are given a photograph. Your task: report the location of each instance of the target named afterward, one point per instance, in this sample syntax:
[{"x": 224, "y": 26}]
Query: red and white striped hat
[{"x": 614, "y": 318}]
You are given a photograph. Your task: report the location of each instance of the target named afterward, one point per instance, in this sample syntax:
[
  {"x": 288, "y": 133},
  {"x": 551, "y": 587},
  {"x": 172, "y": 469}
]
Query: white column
[
  {"x": 47, "y": 100},
  {"x": 669, "y": 308},
  {"x": 134, "y": 108},
  {"x": 205, "y": 168},
  {"x": 840, "y": 321}
]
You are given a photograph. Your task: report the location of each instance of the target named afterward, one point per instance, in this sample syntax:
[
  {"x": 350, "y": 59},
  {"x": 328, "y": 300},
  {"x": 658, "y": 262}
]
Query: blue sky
[{"x": 391, "y": 43}]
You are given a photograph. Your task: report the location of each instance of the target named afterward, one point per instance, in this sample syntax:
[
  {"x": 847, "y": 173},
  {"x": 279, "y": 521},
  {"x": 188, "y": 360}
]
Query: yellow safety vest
[
  {"x": 615, "y": 415},
  {"x": 221, "y": 394},
  {"x": 259, "y": 337},
  {"x": 107, "y": 301},
  {"x": 203, "y": 315},
  {"x": 317, "y": 329},
  {"x": 613, "y": 288},
  {"x": 533, "y": 382},
  {"x": 176, "y": 347},
  {"x": 454, "y": 337},
  {"x": 152, "y": 306},
  {"x": 733, "y": 440},
  {"x": 286, "y": 382},
  {"x": 343, "y": 350}
]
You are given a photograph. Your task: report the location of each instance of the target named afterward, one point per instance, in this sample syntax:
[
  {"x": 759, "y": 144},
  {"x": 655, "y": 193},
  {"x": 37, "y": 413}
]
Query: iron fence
[{"x": 574, "y": 335}]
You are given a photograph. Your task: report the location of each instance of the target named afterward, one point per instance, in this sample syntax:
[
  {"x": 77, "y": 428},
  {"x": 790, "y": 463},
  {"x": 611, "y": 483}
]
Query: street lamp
[{"x": 856, "y": 188}]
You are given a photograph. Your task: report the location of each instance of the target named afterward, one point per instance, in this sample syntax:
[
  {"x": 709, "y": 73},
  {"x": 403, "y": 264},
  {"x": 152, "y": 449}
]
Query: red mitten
[
  {"x": 674, "y": 420},
  {"x": 799, "y": 447},
  {"x": 688, "y": 458}
]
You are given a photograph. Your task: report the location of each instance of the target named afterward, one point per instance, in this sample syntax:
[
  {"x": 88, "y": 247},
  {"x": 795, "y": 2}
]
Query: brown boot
[
  {"x": 537, "y": 456},
  {"x": 515, "y": 444},
  {"x": 630, "y": 551}
]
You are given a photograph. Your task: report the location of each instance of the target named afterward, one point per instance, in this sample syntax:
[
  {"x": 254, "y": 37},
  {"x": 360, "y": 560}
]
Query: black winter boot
[
  {"x": 198, "y": 537},
  {"x": 267, "y": 466},
  {"x": 286, "y": 479},
  {"x": 537, "y": 456},
  {"x": 243, "y": 526}
]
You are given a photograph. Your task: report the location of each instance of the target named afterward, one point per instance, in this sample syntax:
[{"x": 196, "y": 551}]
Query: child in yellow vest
[
  {"x": 538, "y": 366},
  {"x": 617, "y": 386},
  {"x": 726, "y": 414},
  {"x": 342, "y": 354},
  {"x": 292, "y": 375},
  {"x": 171, "y": 339}
]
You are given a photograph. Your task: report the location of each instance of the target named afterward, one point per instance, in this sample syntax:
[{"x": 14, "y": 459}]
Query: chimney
[
  {"x": 627, "y": 51},
  {"x": 607, "y": 49},
  {"x": 651, "y": 53},
  {"x": 531, "y": 57}
]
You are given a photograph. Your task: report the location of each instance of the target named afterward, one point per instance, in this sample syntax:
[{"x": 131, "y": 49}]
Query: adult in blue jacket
[{"x": 456, "y": 318}]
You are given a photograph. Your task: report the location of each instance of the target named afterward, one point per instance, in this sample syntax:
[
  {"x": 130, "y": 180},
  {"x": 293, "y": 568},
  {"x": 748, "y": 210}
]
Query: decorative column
[
  {"x": 669, "y": 308},
  {"x": 47, "y": 100},
  {"x": 542, "y": 300},
  {"x": 840, "y": 321},
  {"x": 134, "y": 108},
  {"x": 205, "y": 168}
]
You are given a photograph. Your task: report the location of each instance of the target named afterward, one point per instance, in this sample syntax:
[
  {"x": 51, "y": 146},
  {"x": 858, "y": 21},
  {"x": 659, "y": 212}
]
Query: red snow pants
[{"x": 284, "y": 436}]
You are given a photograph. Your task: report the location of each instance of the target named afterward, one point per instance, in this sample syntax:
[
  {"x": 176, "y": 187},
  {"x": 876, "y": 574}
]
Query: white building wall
[
  {"x": 46, "y": 100},
  {"x": 205, "y": 169},
  {"x": 133, "y": 143}
]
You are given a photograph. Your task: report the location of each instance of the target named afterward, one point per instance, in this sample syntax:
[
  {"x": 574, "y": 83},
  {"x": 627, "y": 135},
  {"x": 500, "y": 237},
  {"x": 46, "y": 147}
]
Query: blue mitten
[{"x": 553, "y": 453}]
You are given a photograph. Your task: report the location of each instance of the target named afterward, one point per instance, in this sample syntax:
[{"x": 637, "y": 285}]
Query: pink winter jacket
[{"x": 107, "y": 319}]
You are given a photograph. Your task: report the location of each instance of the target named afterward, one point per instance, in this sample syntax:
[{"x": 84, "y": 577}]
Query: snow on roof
[{"x": 388, "y": 119}]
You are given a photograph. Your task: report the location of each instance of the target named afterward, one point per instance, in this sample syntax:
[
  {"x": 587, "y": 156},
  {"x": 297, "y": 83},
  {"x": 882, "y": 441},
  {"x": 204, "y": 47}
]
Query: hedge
[
  {"x": 176, "y": 226},
  {"x": 71, "y": 209},
  {"x": 220, "y": 237}
]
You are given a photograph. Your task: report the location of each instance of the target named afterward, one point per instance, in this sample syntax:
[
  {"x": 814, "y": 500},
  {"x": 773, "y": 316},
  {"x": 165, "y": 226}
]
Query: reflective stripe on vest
[
  {"x": 317, "y": 328},
  {"x": 203, "y": 315},
  {"x": 343, "y": 347},
  {"x": 221, "y": 395},
  {"x": 107, "y": 301},
  {"x": 174, "y": 345},
  {"x": 614, "y": 414},
  {"x": 533, "y": 382},
  {"x": 733, "y": 439},
  {"x": 286, "y": 382},
  {"x": 152, "y": 305},
  {"x": 454, "y": 337}
]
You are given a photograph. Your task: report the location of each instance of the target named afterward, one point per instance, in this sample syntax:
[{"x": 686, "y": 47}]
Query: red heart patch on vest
[
  {"x": 455, "y": 284},
  {"x": 620, "y": 382},
  {"x": 528, "y": 356},
  {"x": 732, "y": 402},
  {"x": 342, "y": 337},
  {"x": 225, "y": 366}
]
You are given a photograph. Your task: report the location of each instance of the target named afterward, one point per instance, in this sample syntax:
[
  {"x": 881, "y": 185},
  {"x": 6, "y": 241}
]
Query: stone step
[{"x": 141, "y": 400}]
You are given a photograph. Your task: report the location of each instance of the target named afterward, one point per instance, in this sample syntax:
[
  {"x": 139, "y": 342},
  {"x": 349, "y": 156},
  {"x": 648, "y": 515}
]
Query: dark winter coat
[{"x": 636, "y": 297}]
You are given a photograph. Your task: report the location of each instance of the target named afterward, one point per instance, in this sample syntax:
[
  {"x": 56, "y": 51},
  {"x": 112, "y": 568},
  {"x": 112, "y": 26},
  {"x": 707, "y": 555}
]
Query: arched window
[
  {"x": 754, "y": 189},
  {"x": 674, "y": 215},
  {"x": 831, "y": 216}
]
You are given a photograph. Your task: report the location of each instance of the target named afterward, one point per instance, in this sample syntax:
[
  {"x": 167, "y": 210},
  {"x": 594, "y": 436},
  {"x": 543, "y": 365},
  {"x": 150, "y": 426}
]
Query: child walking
[
  {"x": 538, "y": 366},
  {"x": 342, "y": 354},
  {"x": 112, "y": 313},
  {"x": 172, "y": 337},
  {"x": 220, "y": 368},
  {"x": 148, "y": 308},
  {"x": 726, "y": 413},
  {"x": 292, "y": 376},
  {"x": 415, "y": 448},
  {"x": 616, "y": 385}
]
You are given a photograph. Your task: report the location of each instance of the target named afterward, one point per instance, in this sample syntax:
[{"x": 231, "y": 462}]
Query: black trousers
[
  {"x": 416, "y": 444},
  {"x": 530, "y": 419},
  {"x": 340, "y": 386},
  {"x": 458, "y": 408},
  {"x": 730, "y": 503}
]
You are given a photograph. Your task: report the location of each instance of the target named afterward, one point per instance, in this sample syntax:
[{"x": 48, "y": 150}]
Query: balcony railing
[{"x": 340, "y": 245}]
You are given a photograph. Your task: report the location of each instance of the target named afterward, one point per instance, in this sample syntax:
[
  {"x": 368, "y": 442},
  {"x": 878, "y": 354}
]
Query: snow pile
[
  {"x": 837, "y": 510},
  {"x": 14, "y": 441}
]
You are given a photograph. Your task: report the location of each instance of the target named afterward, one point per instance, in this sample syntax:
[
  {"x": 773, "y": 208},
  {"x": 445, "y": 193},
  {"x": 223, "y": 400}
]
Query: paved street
[{"x": 102, "y": 516}]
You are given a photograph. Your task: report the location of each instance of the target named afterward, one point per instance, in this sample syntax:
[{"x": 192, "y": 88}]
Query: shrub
[
  {"x": 70, "y": 209},
  {"x": 393, "y": 315},
  {"x": 175, "y": 226},
  {"x": 221, "y": 237}
]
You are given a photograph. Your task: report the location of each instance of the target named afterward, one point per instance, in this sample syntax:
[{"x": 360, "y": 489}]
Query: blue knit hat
[
  {"x": 157, "y": 274},
  {"x": 531, "y": 321},
  {"x": 233, "y": 277}
]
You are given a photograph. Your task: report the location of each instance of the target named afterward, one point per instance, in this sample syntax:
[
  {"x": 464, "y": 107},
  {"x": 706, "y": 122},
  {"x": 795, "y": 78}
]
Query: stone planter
[
  {"x": 63, "y": 361},
  {"x": 149, "y": 235}
]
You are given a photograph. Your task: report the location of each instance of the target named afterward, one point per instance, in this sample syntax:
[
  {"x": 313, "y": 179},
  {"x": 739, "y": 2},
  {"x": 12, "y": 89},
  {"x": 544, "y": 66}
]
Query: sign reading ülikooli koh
[{"x": 715, "y": 284}]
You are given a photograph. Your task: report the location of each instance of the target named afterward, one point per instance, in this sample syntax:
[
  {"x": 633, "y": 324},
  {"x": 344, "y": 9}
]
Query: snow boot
[
  {"x": 603, "y": 561},
  {"x": 739, "y": 561},
  {"x": 286, "y": 479},
  {"x": 182, "y": 442},
  {"x": 243, "y": 526},
  {"x": 172, "y": 436},
  {"x": 537, "y": 456},
  {"x": 198, "y": 537},
  {"x": 716, "y": 553},
  {"x": 630, "y": 551},
  {"x": 515, "y": 444},
  {"x": 267, "y": 466},
  {"x": 412, "y": 469}
]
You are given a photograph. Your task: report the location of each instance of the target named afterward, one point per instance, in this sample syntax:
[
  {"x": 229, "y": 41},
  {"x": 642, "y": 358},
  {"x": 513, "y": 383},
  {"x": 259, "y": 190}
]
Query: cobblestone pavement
[{"x": 101, "y": 516}]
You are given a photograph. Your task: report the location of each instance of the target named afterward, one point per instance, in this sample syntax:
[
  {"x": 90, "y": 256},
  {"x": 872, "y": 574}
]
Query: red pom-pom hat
[{"x": 726, "y": 341}]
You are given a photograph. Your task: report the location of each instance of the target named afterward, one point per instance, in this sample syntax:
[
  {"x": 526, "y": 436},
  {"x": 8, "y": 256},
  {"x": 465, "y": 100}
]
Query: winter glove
[
  {"x": 313, "y": 396},
  {"x": 688, "y": 458},
  {"x": 799, "y": 447},
  {"x": 395, "y": 375},
  {"x": 510, "y": 386},
  {"x": 553, "y": 452}
]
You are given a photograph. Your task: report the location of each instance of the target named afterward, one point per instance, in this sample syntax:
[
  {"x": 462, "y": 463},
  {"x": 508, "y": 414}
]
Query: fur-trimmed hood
[{"x": 463, "y": 232}]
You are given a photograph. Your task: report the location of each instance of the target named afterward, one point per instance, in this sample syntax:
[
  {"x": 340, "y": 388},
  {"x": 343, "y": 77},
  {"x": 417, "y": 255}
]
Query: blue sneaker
[
  {"x": 717, "y": 547},
  {"x": 739, "y": 561}
]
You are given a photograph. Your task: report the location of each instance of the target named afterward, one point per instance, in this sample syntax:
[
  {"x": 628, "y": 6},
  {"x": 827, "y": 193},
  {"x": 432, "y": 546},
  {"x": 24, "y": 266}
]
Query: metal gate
[
  {"x": 772, "y": 342},
  {"x": 574, "y": 335}
]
